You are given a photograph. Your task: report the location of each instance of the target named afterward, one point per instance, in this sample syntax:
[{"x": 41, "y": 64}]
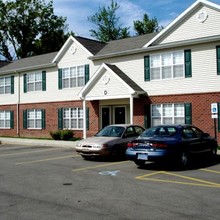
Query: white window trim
[
  {"x": 163, "y": 117},
  {"x": 4, "y": 112},
  {"x": 172, "y": 73},
  {"x": 35, "y": 81},
  {"x": 77, "y": 118},
  {"x": 76, "y": 77},
  {"x": 34, "y": 128},
  {"x": 4, "y": 85}
]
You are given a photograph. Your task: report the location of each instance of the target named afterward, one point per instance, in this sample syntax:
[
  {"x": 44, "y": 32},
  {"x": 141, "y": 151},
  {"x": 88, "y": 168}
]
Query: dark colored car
[
  {"x": 110, "y": 141},
  {"x": 174, "y": 142}
]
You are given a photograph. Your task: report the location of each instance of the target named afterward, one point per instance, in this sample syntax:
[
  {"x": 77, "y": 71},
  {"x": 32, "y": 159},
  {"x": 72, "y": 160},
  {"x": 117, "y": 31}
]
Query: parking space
[{"x": 56, "y": 183}]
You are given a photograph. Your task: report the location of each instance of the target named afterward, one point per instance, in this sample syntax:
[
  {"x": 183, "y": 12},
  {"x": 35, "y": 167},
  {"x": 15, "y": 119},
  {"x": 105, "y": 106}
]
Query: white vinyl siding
[
  {"x": 167, "y": 114},
  {"x": 34, "y": 119},
  {"x": 73, "y": 118},
  {"x": 5, "y": 85},
  {"x": 167, "y": 65},
  {"x": 5, "y": 118}
]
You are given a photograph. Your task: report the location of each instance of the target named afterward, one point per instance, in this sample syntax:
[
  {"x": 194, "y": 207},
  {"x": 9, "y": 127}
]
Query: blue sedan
[{"x": 175, "y": 142}]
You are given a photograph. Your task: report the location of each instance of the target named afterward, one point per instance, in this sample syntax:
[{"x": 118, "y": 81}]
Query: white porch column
[
  {"x": 131, "y": 109},
  {"x": 84, "y": 118}
]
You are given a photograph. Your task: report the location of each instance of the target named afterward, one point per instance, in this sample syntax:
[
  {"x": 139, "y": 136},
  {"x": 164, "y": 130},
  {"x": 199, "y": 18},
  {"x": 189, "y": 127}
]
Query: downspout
[{"x": 18, "y": 105}]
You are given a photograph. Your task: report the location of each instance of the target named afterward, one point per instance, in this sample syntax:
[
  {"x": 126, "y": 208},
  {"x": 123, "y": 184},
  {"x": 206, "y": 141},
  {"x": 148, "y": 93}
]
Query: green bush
[{"x": 62, "y": 134}]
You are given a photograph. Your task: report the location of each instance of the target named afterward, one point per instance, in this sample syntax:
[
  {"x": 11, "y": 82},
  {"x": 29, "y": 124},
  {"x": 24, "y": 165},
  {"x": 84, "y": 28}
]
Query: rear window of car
[{"x": 159, "y": 131}]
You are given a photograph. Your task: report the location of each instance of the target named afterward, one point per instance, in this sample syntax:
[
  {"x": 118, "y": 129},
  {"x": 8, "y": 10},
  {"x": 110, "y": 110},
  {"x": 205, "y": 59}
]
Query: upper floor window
[
  {"x": 73, "y": 77},
  {"x": 76, "y": 76},
  {"x": 167, "y": 65},
  {"x": 7, "y": 85},
  {"x": 6, "y": 119},
  {"x": 35, "y": 82}
]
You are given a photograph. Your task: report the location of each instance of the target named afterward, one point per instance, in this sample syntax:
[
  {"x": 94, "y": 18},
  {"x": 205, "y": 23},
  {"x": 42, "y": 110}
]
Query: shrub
[{"x": 62, "y": 134}]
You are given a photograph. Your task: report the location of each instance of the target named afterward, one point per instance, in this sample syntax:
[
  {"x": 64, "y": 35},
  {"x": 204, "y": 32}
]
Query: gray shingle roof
[
  {"x": 92, "y": 46},
  {"x": 28, "y": 63},
  {"x": 126, "y": 44},
  {"x": 125, "y": 78}
]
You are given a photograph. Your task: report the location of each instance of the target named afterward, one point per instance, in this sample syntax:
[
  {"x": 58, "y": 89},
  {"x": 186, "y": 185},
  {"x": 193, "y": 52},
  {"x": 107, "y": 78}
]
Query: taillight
[
  {"x": 131, "y": 144},
  {"x": 160, "y": 145}
]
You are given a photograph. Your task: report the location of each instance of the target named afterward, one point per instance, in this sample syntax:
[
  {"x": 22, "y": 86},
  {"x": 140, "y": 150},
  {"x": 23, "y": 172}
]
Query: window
[
  {"x": 167, "y": 65},
  {"x": 7, "y": 85},
  {"x": 167, "y": 114},
  {"x": 34, "y": 119},
  {"x": 35, "y": 82},
  {"x": 72, "y": 118},
  {"x": 6, "y": 119},
  {"x": 73, "y": 77}
]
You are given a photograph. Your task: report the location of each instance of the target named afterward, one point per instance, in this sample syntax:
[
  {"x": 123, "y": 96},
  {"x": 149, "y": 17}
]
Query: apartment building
[{"x": 170, "y": 77}]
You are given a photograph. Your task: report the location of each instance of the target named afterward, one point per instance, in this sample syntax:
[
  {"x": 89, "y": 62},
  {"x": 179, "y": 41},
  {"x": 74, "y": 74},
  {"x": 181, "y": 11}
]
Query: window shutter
[
  {"x": 147, "y": 116},
  {"x": 219, "y": 117},
  {"x": 12, "y": 119},
  {"x": 43, "y": 119},
  {"x": 12, "y": 84},
  {"x": 43, "y": 80},
  {"x": 87, "y": 118},
  {"x": 188, "y": 113},
  {"x": 218, "y": 59},
  {"x": 188, "y": 63},
  {"x": 60, "y": 118},
  {"x": 60, "y": 79},
  {"x": 25, "y": 119},
  {"x": 147, "y": 68},
  {"x": 25, "y": 82},
  {"x": 86, "y": 73}
]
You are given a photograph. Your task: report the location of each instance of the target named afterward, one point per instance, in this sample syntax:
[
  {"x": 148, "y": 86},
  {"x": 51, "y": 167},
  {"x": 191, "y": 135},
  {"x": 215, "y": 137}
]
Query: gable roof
[
  {"x": 182, "y": 16},
  {"x": 133, "y": 88},
  {"x": 29, "y": 63}
]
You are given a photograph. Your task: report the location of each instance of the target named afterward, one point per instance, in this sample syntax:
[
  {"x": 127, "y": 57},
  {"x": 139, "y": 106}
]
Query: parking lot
[{"x": 56, "y": 183}]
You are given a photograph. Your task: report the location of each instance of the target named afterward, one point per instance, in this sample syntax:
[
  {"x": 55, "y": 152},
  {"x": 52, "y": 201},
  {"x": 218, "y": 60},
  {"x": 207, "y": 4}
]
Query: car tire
[
  {"x": 86, "y": 157},
  {"x": 140, "y": 163},
  {"x": 213, "y": 152}
]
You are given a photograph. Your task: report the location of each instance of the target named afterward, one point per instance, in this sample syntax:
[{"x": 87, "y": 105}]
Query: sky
[{"x": 78, "y": 11}]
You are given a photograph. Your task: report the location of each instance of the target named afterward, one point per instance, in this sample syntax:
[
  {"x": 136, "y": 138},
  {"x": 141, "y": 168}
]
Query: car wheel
[
  {"x": 140, "y": 163},
  {"x": 86, "y": 157},
  {"x": 184, "y": 159}
]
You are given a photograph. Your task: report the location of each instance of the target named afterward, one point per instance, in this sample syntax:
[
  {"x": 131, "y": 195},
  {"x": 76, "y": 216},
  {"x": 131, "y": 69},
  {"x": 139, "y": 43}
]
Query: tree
[
  {"x": 108, "y": 27},
  {"x": 146, "y": 26},
  {"x": 29, "y": 27}
]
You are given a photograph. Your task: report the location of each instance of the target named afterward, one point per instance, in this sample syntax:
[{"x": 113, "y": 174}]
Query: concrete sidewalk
[{"x": 37, "y": 142}]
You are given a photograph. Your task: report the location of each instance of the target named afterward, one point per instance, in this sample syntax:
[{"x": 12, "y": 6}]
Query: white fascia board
[
  {"x": 92, "y": 81},
  {"x": 180, "y": 17},
  {"x": 65, "y": 47}
]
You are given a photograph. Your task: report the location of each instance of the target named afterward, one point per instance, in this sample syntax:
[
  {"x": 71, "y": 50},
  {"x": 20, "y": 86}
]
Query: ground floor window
[
  {"x": 73, "y": 118},
  {"x": 34, "y": 119},
  {"x": 5, "y": 119},
  {"x": 167, "y": 114}
]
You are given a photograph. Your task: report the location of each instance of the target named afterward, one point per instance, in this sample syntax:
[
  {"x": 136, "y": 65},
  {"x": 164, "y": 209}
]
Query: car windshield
[
  {"x": 159, "y": 132},
  {"x": 111, "y": 131}
]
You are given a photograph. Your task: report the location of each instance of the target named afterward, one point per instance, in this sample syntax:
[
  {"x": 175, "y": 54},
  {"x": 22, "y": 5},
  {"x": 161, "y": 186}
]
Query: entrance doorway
[
  {"x": 106, "y": 116},
  {"x": 119, "y": 115}
]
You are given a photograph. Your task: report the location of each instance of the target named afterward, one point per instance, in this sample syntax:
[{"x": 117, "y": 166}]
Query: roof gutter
[
  {"x": 29, "y": 68},
  {"x": 158, "y": 47}
]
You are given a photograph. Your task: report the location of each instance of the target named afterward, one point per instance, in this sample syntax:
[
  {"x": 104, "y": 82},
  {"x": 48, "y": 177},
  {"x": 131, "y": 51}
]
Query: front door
[
  {"x": 119, "y": 115},
  {"x": 105, "y": 116}
]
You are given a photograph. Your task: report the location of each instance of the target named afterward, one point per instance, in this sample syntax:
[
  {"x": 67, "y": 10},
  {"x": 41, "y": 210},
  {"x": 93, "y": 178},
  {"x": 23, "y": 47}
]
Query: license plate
[{"x": 142, "y": 156}]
